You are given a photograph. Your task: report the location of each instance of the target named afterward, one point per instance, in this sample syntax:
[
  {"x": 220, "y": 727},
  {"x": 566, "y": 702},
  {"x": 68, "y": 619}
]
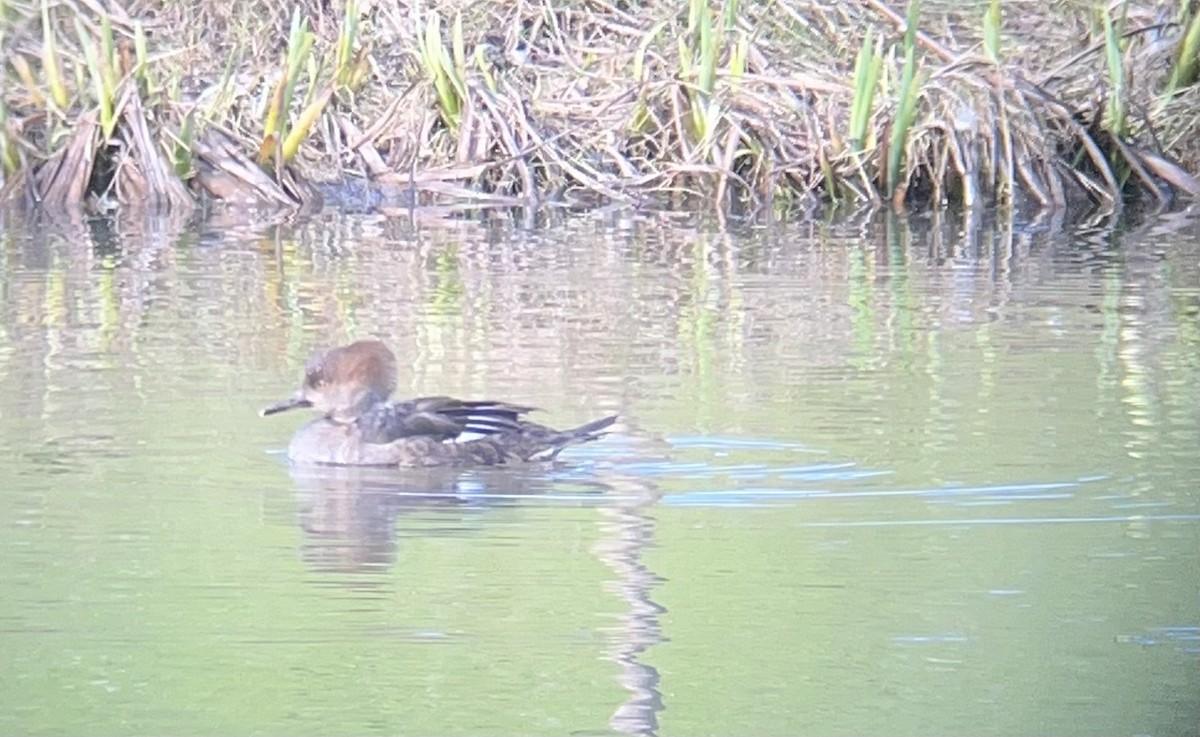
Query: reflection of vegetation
[
  {"x": 696, "y": 322},
  {"x": 947, "y": 353},
  {"x": 446, "y": 295},
  {"x": 1188, "y": 311},
  {"x": 741, "y": 313},
  {"x": 861, "y": 283}
]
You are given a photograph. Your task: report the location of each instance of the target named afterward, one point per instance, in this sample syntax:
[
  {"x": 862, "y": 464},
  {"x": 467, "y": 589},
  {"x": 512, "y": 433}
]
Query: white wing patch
[{"x": 466, "y": 437}]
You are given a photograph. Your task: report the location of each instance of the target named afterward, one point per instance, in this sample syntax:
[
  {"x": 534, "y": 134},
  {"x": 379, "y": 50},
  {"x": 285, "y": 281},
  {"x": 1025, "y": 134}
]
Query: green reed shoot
[
  {"x": 299, "y": 54},
  {"x": 731, "y": 13},
  {"x": 641, "y": 113},
  {"x": 10, "y": 159},
  {"x": 458, "y": 46},
  {"x": 639, "y": 55},
  {"x": 108, "y": 55},
  {"x": 737, "y": 58},
  {"x": 182, "y": 160},
  {"x": 485, "y": 69},
  {"x": 304, "y": 124},
  {"x": 867, "y": 68},
  {"x": 103, "y": 80},
  {"x": 270, "y": 141},
  {"x": 58, "y": 90},
  {"x": 81, "y": 77},
  {"x": 220, "y": 101},
  {"x": 1186, "y": 70},
  {"x": 686, "y": 67},
  {"x": 706, "y": 73},
  {"x": 25, "y": 74},
  {"x": 906, "y": 106},
  {"x": 1116, "y": 122},
  {"x": 831, "y": 180},
  {"x": 344, "y": 63},
  {"x": 141, "y": 69},
  {"x": 695, "y": 9},
  {"x": 299, "y": 50},
  {"x": 991, "y": 31},
  {"x": 442, "y": 70},
  {"x": 698, "y": 65},
  {"x": 431, "y": 57},
  {"x": 314, "y": 66}
]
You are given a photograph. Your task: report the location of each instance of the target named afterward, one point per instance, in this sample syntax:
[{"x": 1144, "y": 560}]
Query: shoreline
[{"x": 742, "y": 107}]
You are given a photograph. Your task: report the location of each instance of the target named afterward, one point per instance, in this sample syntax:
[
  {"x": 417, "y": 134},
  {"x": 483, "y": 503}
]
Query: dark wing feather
[{"x": 440, "y": 418}]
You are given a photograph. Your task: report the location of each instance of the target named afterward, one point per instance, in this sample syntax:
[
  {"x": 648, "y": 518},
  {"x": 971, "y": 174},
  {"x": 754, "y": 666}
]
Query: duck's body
[{"x": 350, "y": 386}]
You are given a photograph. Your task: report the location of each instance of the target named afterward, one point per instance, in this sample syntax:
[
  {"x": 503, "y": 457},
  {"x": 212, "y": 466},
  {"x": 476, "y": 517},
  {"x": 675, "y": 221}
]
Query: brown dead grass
[{"x": 560, "y": 106}]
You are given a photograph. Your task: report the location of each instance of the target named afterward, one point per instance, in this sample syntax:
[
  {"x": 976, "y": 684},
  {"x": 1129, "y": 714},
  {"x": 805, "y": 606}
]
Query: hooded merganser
[{"x": 350, "y": 386}]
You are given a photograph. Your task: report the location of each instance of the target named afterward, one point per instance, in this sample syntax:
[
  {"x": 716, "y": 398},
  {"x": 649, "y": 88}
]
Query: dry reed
[{"x": 748, "y": 106}]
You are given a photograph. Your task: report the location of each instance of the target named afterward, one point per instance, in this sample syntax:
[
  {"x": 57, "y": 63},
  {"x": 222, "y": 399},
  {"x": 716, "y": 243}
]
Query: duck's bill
[{"x": 284, "y": 406}]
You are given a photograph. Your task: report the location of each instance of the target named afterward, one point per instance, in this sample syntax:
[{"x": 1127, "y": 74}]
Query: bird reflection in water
[{"x": 351, "y": 517}]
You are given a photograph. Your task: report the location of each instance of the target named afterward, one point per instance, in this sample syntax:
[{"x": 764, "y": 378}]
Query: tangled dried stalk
[{"x": 750, "y": 106}]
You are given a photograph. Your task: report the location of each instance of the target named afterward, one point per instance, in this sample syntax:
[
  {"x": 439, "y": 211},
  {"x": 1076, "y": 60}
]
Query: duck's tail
[
  {"x": 527, "y": 441},
  {"x": 591, "y": 431},
  {"x": 540, "y": 443}
]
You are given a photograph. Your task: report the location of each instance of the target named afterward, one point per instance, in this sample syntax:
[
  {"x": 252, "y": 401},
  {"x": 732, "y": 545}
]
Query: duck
[{"x": 350, "y": 386}]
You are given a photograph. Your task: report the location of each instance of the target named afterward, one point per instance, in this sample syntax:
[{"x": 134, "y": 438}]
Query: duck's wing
[{"x": 440, "y": 418}]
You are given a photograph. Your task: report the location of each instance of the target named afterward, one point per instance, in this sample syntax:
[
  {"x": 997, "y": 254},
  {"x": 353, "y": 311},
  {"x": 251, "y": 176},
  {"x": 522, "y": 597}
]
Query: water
[{"x": 869, "y": 478}]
